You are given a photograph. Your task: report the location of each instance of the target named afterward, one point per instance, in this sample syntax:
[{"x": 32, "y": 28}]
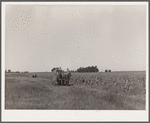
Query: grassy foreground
[{"x": 87, "y": 91}]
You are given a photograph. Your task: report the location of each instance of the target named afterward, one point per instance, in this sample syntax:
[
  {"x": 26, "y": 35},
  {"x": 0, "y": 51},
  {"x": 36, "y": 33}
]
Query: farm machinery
[{"x": 62, "y": 79}]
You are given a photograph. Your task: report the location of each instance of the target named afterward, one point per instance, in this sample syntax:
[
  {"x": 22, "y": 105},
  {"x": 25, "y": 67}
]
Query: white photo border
[{"x": 72, "y": 115}]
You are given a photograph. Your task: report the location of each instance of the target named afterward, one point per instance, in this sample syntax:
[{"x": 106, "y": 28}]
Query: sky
[{"x": 41, "y": 37}]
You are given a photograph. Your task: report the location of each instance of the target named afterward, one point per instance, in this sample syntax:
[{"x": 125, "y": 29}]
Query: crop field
[{"x": 87, "y": 91}]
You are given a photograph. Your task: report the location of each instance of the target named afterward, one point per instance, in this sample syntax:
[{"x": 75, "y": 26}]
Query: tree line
[
  {"x": 88, "y": 69},
  {"x": 9, "y": 71},
  {"x": 83, "y": 69}
]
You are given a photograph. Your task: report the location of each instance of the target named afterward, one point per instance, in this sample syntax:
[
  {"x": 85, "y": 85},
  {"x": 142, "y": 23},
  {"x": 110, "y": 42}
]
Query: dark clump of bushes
[
  {"x": 88, "y": 69},
  {"x": 107, "y": 70}
]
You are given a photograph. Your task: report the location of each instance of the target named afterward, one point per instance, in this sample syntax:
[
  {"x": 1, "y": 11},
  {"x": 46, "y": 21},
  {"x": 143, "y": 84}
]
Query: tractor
[{"x": 62, "y": 78}]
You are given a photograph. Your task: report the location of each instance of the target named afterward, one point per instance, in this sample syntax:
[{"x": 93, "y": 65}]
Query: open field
[{"x": 87, "y": 91}]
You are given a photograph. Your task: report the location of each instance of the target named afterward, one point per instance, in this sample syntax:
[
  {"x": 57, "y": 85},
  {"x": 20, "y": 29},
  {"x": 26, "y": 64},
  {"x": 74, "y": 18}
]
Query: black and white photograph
[{"x": 75, "y": 61}]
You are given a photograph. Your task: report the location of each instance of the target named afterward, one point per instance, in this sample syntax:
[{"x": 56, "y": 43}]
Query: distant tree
[
  {"x": 26, "y": 72},
  {"x": 71, "y": 71},
  {"x": 109, "y": 70},
  {"x": 88, "y": 69},
  {"x": 67, "y": 69},
  {"x": 54, "y": 69},
  {"x": 106, "y": 70},
  {"x": 5, "y": 71},
  {"x": 9, "y": 71},
  {"x": 57, "y": 69},
  {"x": 17, "y": 72}
]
